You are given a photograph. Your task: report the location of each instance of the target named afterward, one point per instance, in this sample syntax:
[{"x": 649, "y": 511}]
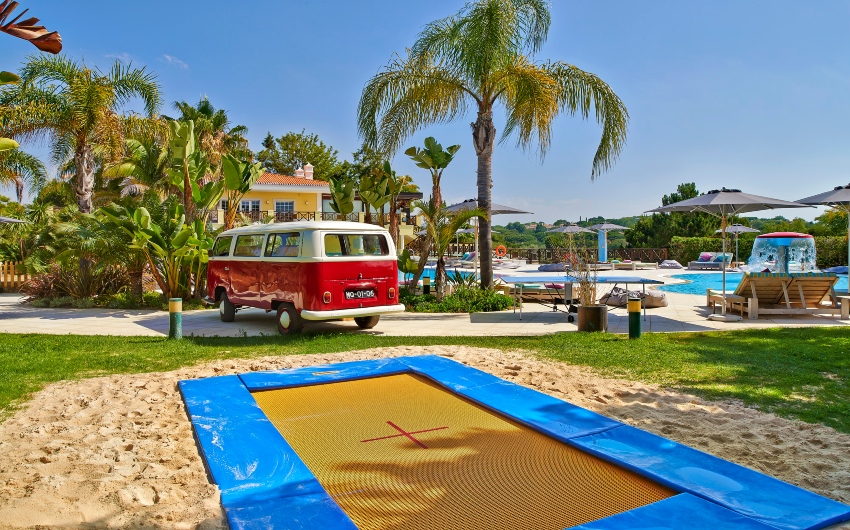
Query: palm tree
[
  {"x": 441, "y": 227},
  {"x": 22, "y": 169},
  {"x": 212, "y": 127},
  {"x": 482, "y": 57},
  {"x": 77, "y": 109},
  {"x": 143, "y": 168}
]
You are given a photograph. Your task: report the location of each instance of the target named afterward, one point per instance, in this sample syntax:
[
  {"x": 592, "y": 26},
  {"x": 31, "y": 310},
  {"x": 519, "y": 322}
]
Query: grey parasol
[
  {"x": 736, "y": 229},
  {"x": 839, "y": 198},
  {"x": 570, "y": 229},
  {"x": 495, "y": 209},
  {"x": 603, "y": 229},
  {"x": 723, "y": 203},
  {"x": 10, "y": 220}
]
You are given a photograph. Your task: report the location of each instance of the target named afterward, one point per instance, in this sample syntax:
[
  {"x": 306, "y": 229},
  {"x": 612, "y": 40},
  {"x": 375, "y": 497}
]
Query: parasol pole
[{"x": 723, "y": 256}]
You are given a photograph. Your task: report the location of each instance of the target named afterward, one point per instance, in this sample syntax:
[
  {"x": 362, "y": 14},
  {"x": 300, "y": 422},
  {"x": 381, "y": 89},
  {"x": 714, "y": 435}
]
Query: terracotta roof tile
[{"x": 286, "y": 180}]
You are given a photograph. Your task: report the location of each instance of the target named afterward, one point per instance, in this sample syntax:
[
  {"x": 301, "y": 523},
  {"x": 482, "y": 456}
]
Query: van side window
[
  {"x": 249, "y": 246},
  {"x": 222, "y": 246},
  {"x": 283, "y": 245},
  {"x": 356, "y": 245}
]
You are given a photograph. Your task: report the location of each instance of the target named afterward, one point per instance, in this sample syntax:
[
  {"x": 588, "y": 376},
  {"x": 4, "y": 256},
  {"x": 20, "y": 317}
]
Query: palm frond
[
  {"x": 530, "y": 96},
  {"x": 129, "y": 82},
  {"x": 485, "y": 35},
  {"x": 579, "y": 92},
  {"x": 407, "y": 95},
  {"x": 17, "y": 165}
]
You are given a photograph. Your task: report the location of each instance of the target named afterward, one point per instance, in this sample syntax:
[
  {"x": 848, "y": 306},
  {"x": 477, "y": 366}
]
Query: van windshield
[{"x": 356, "y": 245}]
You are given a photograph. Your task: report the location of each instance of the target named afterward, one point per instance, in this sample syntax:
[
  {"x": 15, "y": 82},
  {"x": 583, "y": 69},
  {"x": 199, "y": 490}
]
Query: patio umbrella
[
  {"x": 723, "y": 203},
  {"x": 736, "y": 229},
  {"x": 603, "y": 229},
  {"x": 570, "y": 229},
  {"x": 462, "y": 231},
  {"x": 495, "y": 209},
  {"x": 837, "y": 198},
  {"x": 10, "y": 220}
]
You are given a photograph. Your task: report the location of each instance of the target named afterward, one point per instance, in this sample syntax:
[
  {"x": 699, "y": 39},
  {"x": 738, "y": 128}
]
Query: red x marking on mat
[{"x": 406, "y": 434}]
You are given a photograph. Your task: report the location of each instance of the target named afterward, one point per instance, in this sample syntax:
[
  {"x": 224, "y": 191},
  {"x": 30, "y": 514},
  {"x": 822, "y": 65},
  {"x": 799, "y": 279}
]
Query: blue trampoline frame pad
[{"x": 264, "y": 484}]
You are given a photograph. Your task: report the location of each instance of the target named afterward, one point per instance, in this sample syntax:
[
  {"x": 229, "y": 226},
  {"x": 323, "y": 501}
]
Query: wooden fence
[{"x": 12, "y": 276}]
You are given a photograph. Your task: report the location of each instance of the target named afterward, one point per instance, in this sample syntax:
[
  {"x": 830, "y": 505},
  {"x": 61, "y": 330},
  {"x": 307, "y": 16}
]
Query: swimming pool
[
  {"x": 698, "y": 283},
  {"x": 430, "y": 272}
]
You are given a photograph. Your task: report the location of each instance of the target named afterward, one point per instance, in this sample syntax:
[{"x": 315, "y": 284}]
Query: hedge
[{"x": 831, "y": 251}]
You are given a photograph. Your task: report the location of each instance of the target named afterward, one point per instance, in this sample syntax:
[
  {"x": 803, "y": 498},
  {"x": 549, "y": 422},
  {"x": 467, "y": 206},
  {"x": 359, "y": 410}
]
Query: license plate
[{"x": 359, "y": 294}]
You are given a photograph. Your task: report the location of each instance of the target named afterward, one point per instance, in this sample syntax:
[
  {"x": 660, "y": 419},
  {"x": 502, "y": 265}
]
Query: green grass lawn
[{"x": 800, "y": 373}]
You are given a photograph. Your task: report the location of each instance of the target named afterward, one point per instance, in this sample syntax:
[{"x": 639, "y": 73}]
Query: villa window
[
  {"x": 223, "y": 204},
  {"x": 284, "y": 206},
  {"x": 250, "y": 206}
]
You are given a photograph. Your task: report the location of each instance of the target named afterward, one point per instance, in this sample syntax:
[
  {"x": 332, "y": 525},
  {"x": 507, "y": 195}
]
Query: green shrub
[{"x": 463, "y": 300}]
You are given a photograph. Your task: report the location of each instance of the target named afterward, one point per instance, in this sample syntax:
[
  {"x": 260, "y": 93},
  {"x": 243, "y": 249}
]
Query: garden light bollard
[
  {"x": 426, "y": 285},
  {"x": 634, "y": 318},
  {"x": 175, "y": 318}
]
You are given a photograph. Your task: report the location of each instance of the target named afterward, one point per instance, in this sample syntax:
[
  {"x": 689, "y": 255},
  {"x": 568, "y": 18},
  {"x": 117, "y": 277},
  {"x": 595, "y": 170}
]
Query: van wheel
[
  {"x": 288, "y": 320},
  {"x": 367, "y": 322},
  {"x": 226, "y": 309}
]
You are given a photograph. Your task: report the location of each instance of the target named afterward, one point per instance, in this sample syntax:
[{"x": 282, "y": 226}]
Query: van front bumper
[{"x": 350, "y": 313}]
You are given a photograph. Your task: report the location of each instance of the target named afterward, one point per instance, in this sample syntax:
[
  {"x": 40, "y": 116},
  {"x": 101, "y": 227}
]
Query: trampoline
[{"x": 428, "y": 443}]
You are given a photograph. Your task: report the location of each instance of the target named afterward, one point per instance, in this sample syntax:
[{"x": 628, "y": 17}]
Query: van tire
[
  {"x": 289, "y": 322},
  {"x": 226, "y": 310},
  {"x": 367, "y": 322}
]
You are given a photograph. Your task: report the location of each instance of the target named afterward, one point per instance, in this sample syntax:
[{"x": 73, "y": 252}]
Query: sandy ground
[{"x": 117, "y": 452}]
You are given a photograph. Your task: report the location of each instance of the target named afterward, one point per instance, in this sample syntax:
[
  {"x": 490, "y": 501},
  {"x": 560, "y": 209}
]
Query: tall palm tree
[
  {"x": 77, "y": 109},
  {"x": 21, "y": 170},
  {"x": 212, "y": 127},
  {"x": 480, "y": 58}
]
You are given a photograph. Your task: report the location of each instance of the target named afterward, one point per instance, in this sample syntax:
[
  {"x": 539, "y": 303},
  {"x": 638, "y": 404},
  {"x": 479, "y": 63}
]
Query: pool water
[
  {"x": 698, "y": 283},
  {"x": 431, "y": 272}
]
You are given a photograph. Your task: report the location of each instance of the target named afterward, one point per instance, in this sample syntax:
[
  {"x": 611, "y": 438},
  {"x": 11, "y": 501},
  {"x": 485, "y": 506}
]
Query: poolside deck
[{"x": 685, "y": 312}]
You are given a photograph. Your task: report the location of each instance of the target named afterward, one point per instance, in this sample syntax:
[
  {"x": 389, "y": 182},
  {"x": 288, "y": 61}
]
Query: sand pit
[{"x": 117, "y": 452}]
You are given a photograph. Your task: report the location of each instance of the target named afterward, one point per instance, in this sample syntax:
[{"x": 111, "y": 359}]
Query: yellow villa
[{"x": 282, "y": 198}]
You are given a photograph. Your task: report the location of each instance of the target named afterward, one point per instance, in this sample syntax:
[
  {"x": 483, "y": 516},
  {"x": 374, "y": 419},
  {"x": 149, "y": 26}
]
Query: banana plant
[
  {"x": 374, "y": 190},
  {"x": 171, "y": 249},
  {"x": 187, "y": 171},
  {"x": 435, "y": 159},
  {"x": 239, "y": 177},
  {"x": 342, "y": 195},
  {"x": 406, "y": 264}
]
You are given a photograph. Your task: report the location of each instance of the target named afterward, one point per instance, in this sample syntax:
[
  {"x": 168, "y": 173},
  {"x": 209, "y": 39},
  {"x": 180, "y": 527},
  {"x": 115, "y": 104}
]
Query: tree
[
  {"x": 441, "y": 227},
  {"x": 434, "y": 159},
  {"x": 77, "y": 109},
  {"x": 239, "y": 177},
  {"x": 342, "y": 195},
  {"x": 215, "y": 136},
  {"x": 657, "y": 230},
  {"x": 22, "y": 169},
  {"x": 143, "y": 168},
  {"x": 480, "y": 58},
  {"x": 292, "y": 151}
]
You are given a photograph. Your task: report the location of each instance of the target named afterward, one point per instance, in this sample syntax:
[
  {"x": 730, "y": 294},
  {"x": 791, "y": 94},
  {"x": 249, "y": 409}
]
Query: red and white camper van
[{"x": 305, "y": 271}]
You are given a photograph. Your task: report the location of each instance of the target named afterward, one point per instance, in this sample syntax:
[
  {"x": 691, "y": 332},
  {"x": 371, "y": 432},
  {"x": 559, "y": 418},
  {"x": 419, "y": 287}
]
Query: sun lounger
[
  {"x": 710, "y": 261},
  {"x": 769, "y": 293},
  {"x": 633, "y": 265}
]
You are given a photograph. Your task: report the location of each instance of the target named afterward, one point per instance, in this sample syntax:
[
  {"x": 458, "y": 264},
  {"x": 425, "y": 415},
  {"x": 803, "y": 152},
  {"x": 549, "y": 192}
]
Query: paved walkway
[{"x": 684, "y": 313}]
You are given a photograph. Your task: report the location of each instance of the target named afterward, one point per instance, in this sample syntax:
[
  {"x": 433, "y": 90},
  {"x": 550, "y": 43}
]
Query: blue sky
[{"x": 748, "y": 94}]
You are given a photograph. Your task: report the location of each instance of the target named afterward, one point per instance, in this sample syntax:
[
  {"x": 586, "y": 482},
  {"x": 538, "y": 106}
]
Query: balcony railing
[
  {"x": 333, "y": 216},
  {"x": 285, "y": 217}
]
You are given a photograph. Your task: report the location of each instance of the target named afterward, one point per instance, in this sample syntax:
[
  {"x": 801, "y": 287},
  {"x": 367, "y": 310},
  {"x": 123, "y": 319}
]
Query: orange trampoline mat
[{"x": 402, "y": 452}]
